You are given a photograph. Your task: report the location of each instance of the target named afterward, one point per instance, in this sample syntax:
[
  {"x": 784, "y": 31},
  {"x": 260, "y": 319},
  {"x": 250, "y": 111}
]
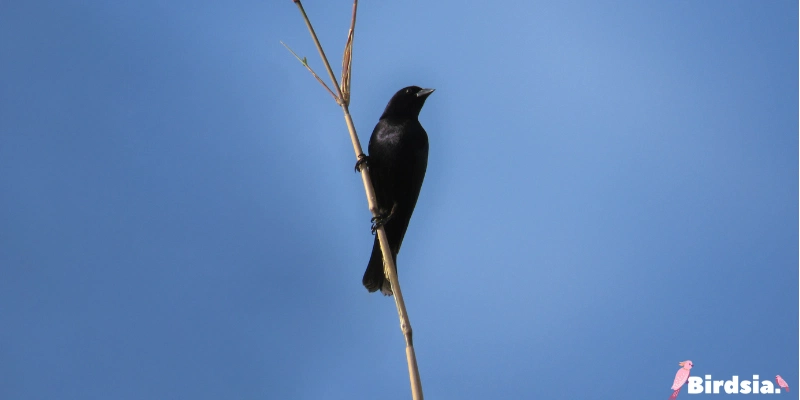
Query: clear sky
[{"x": 612, "y": 188}]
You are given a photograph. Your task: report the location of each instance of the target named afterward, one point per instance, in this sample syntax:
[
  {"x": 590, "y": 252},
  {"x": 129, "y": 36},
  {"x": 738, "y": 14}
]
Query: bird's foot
[
  {"x": 363, "y": 159},
  {"x": 382, "y": 219}
]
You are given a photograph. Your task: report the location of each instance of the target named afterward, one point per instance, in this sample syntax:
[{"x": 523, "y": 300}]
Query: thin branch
[
  {"x": 305, "y": 64},
  {"x": 319, "y": 48},
  {"x": 347, "y": 58}
]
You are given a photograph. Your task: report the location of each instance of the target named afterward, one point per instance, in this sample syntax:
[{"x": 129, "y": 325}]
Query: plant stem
[{"x": 390, "y": 270}]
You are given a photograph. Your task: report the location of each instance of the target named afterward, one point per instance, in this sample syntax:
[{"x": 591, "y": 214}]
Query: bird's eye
[{"x": 408, "y": 90}]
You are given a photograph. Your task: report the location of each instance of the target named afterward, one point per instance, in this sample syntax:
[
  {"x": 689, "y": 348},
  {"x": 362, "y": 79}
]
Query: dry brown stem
[{"x": 342, "y": 97}]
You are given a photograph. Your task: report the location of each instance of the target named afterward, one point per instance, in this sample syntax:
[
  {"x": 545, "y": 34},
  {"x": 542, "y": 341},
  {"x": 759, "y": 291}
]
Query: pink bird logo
[
  {"x": 781, "y": 382},
  {"x": 680, "y": 378}
]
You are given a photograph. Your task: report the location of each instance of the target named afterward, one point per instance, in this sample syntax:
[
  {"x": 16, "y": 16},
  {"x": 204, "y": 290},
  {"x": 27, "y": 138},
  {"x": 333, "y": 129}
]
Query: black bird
[{"x": 398, "y": 157}]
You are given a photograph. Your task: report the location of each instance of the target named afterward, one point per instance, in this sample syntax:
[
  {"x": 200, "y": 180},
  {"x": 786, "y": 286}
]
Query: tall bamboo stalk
[{"x": 342, "y": 97}]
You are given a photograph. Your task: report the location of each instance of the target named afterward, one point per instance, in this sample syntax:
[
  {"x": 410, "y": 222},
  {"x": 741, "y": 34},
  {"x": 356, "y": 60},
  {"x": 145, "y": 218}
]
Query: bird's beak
[{"x": 425, "y": 92}]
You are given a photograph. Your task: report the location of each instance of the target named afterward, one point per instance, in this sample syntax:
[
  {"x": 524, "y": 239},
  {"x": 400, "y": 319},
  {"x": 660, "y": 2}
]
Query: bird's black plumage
[{"x": 398, "y": 158}]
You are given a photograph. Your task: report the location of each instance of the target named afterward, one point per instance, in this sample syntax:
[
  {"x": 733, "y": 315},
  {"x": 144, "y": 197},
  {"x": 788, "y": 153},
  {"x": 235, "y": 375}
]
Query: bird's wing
[{"x": 680, "y": 378}]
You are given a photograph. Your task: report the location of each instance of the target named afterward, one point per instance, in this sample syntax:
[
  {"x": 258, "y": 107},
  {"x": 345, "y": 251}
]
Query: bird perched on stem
[{"x": 398, "y": 158}]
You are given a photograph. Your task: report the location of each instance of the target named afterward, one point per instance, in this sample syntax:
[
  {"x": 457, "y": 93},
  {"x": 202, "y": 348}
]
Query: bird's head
[
  {"x": 686, "y": 364},
  {"x": 407, "y": 102}
]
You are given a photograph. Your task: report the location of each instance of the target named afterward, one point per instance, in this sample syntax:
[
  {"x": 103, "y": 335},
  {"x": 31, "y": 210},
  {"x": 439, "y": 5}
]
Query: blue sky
[{"x": 612, "y": 188}]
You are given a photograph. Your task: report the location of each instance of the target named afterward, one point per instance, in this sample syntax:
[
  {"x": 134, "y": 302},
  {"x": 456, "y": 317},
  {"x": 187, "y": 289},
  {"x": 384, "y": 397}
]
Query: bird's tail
[
  {"x": 675, "y": 394},
  {"x": 374, "y": 278}
]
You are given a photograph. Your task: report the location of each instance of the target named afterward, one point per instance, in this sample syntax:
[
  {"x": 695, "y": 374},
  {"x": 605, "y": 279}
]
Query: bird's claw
[
  {"x": 362, "y": 160},
  {"x": 382, "y": 219},
  {"x": 378, "y": 222}
]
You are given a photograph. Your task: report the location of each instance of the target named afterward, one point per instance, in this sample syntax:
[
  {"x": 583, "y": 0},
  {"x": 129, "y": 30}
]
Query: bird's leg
[
  {"x": 363, "y": 159},
  {"x": 382, "y": 219}
]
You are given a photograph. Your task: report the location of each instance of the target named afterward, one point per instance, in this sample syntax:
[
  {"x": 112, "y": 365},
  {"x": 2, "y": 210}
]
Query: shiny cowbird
[{"x": 398, "y": 157}]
